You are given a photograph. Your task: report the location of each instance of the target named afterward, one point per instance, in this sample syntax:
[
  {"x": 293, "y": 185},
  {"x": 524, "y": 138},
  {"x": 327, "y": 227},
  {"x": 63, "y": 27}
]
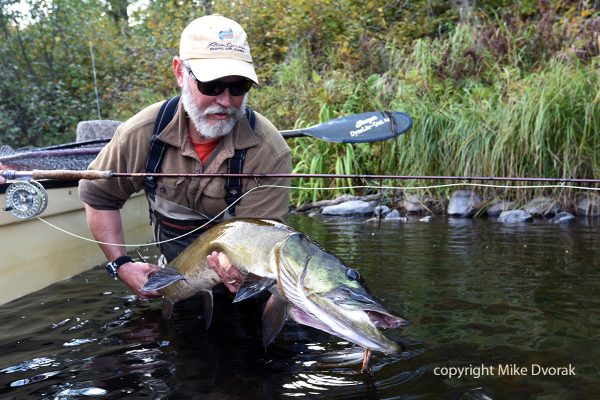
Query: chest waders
[{"x": 171, "y": 220}]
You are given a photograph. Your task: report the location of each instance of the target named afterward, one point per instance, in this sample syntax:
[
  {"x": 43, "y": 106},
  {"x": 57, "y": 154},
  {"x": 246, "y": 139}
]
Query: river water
[{"x": 496, "y": 312}]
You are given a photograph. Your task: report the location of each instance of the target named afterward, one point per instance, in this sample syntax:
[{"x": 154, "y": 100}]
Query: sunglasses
[{"x": 216, "y": 87}]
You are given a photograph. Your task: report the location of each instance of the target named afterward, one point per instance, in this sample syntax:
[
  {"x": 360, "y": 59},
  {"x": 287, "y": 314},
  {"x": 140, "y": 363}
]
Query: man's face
[{"x": 213, "y": 116}]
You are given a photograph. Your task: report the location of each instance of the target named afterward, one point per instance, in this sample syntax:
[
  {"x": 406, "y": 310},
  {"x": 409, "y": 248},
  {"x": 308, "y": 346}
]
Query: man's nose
[{"x": 225, "y": 99}]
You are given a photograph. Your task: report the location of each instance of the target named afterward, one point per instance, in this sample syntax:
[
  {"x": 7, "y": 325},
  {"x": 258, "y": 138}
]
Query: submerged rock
[
  {"x": 563, "y": 218},
  {"x": 542, "y": 206},
  {"x": 463, "y": 203},
  {"x": 349, "y": 208},
  {"x": 417, "y": 204},
  {"x": 381, "y": 211},
  {"x": 589, "y": 205},
  {"x": 498, "y": 207},
  {"x": 515, "y": 216},
  {"x": 395, "y": 215}
]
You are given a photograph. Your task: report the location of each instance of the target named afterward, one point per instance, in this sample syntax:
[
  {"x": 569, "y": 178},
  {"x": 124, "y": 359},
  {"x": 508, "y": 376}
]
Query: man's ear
[{"x": 178, "y": 70}]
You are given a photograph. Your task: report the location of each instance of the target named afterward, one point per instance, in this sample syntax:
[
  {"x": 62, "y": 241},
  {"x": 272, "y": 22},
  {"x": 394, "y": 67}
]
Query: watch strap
[{"x": 113, "y": 266}]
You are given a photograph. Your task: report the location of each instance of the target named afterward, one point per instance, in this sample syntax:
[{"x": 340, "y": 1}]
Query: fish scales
[{"x": 248, "y": 246}]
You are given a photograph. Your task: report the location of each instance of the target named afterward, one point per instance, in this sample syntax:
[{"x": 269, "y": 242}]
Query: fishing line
[{"x": 445, "y": 185}]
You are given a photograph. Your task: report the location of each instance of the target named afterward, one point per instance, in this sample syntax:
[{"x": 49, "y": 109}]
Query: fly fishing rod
[
  {"x": 27, "y": 198},
  {"x": 99, "y": 174}
]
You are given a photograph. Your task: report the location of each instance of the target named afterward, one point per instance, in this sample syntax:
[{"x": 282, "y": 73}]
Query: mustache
[{"x": 217, "y": 109}]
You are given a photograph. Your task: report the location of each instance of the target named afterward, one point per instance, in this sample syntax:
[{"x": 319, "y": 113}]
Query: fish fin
[
  {"x": 207, "y": 298},
  {"x": 292, "y": 282},
  {"x": 167, "y": 309},
  {"x": 252, "y": 285},
  {"x": 162, "y": 278},
  {"x": 273, "y": 318}
]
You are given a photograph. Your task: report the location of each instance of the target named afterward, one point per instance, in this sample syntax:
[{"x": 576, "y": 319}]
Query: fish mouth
[
  {"x": 364, "y": 315},
  {"x": 385, "y": 321},
  {"x": 361, "y": 327},
  {"x": 359, "y": 300}
]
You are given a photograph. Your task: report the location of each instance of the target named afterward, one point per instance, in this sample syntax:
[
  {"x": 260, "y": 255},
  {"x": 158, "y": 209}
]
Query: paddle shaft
[{"x": 84, "y": 151}]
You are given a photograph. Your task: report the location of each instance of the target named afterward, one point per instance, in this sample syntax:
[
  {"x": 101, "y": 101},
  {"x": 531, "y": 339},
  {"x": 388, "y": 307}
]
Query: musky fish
[{"x": 306, "y": 282}]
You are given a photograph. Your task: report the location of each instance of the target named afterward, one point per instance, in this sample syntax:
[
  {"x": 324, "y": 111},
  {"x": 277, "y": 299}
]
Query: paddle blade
[{"x": 358, "y": 128}]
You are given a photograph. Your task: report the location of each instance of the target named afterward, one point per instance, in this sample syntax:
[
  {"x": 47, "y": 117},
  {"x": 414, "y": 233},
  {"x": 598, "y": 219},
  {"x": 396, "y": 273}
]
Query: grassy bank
[{"x": 472, "y": 115}]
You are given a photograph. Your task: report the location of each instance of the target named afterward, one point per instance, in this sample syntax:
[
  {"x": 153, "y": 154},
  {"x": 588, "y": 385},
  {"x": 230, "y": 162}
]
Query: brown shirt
[{"x": 266, "y": 152}]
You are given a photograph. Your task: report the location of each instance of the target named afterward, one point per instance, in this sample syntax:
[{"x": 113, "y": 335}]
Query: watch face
[{"x": 112, "y": 269}]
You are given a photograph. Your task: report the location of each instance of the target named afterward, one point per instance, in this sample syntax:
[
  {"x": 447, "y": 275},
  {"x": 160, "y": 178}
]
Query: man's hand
[
  {"x": 229, "y": 274},
  {"x": 2, "y": 179},
  {"x": 135, "y": 275}
]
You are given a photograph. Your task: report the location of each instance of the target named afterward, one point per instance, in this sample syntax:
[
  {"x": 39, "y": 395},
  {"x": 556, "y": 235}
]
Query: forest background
[{"x": 495, "y": 87}]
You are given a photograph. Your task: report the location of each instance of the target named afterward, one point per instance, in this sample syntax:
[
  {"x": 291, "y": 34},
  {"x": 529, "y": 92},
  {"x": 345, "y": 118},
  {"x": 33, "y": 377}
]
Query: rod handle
[
  {"x": 57, "y": 174},
  {"x": 64, "y": 174}
]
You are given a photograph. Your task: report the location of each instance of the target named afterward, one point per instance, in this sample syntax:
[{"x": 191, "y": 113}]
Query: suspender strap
[
  {"x": 158, "y": 147},
  {"x": 233, "y": 185},
  {"x": 235, "y": 165},
  {"x": 251, "y": 117}
]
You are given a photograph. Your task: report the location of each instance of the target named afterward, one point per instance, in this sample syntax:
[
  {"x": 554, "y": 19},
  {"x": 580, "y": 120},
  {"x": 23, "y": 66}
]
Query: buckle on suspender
[{"x": 233, "y": 185}]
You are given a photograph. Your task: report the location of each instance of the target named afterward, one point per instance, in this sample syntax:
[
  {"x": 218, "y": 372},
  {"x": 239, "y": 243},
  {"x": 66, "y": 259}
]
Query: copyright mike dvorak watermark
[{"x": 478, "y": 371}]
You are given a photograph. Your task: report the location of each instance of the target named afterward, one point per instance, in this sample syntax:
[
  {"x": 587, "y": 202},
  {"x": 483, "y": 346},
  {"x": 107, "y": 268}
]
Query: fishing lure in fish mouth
[{"x": 306, "y": 283}]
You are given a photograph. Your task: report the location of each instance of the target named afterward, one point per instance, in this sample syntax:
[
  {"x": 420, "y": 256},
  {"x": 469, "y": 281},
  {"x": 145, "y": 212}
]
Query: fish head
[{"x": 328, "y": 295}]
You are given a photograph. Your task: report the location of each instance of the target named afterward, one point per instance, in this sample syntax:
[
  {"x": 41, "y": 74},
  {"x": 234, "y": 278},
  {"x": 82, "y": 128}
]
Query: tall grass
[{"x": 472, "y": 116}]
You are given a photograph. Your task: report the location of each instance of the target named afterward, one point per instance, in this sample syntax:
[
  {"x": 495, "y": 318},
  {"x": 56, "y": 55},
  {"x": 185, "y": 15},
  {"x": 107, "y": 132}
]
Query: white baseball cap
[{"x": 215, "y": 47}]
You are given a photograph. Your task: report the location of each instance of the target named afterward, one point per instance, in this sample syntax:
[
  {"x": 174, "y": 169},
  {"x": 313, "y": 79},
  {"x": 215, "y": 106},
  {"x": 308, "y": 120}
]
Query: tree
[{"x": 117, "y": 9}]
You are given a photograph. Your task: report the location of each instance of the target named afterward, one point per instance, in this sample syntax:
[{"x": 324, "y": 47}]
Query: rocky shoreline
[{"x": 462, "y": 204}]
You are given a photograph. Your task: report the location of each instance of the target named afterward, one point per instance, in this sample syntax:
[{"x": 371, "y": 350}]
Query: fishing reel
[{"x": 25, "y": 199}]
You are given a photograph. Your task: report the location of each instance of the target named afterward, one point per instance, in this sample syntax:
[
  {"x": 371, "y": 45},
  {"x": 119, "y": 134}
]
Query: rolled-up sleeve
[{"x": 111, "y": 193}]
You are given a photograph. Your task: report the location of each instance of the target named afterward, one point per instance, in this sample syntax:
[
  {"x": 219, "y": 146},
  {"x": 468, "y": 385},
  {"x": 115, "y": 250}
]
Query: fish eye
[{"x": 353, "y": 275}]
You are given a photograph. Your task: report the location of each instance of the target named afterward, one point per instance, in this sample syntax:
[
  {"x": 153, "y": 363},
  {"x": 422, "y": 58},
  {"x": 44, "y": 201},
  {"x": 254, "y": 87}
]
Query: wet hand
[
  {"x": 135, "y": 275},
  {"x": 229, "y": 274}
]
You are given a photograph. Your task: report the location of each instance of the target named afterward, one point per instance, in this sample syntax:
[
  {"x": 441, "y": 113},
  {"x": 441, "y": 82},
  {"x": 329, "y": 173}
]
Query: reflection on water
[{"x": 477, "y": 294}]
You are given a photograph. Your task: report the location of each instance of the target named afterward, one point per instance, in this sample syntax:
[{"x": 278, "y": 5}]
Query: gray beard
[{"x": 200, "y": 117}]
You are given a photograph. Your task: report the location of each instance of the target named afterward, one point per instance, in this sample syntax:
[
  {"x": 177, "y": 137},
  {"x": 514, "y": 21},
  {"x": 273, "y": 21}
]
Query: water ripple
[
  {"x": 78, "y": 342},
  {"x": 86, "y": 392},
  {"x": 29, "y": 365},
  {"x": 34, "y": 379}
]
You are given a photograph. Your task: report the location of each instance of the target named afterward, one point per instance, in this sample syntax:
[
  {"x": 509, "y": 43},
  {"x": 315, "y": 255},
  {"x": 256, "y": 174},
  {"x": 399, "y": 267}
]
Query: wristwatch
[{"x": 113, "y": 266}]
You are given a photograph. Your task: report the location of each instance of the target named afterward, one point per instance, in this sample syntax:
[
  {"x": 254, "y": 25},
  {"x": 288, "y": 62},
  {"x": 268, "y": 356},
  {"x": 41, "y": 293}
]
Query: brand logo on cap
[{"x": 228, "y": 34}]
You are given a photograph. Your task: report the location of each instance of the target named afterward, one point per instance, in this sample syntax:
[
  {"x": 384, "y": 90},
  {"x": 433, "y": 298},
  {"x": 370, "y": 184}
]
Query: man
[{"x": 210, "y": 126}]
